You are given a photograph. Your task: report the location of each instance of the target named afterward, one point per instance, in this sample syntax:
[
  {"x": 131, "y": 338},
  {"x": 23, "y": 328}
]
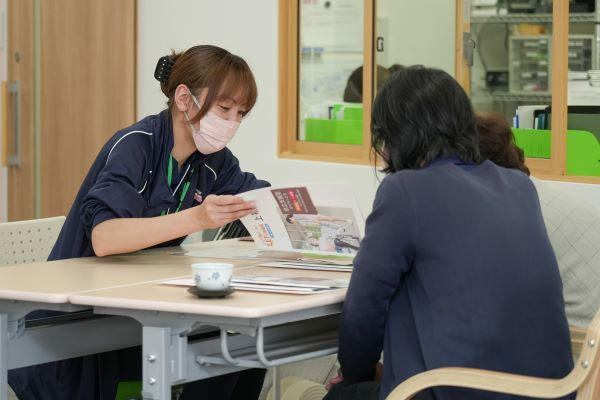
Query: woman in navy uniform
[{"x": 152, "y": 184}]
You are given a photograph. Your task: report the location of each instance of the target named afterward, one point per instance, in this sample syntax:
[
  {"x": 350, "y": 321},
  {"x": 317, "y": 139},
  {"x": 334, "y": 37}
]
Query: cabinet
[
  {"x": 535, "y": 52},
  {"x": 528, "y": 64},
  {"x": 529, "y": 61},
  {"x": 505, "y": 45}
]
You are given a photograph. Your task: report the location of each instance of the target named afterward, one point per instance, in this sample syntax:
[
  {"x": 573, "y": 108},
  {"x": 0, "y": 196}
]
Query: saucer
[{"x": 206, "y": 294}]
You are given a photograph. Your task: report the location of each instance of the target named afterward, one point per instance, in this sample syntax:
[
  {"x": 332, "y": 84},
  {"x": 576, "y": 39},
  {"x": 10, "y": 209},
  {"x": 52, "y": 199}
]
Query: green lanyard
[{"x": 184, "y": 189}]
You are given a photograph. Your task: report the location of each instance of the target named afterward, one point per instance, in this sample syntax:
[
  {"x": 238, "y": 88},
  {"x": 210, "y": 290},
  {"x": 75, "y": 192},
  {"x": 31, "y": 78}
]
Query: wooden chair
[
  {"x": 577, "y": 340},
  {"x": 583, "y": 379}
]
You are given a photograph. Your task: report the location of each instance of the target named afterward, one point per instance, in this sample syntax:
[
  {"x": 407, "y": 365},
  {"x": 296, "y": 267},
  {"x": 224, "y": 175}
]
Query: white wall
[
  {"x": 249, "y": 29},
  {"x": 418, "y": 32}
]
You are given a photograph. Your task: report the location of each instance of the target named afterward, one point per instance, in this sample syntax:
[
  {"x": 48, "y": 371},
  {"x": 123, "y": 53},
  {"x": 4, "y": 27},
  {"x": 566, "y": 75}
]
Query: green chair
[{"x": 583, "y": 154}]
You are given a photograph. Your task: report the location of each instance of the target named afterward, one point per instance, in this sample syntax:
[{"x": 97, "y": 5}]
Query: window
[{"x": 323, "y": 45}]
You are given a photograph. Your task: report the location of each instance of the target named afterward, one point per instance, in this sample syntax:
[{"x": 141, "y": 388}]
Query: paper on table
[
  {"x": 297, "y": 285},
  {"x": 281, "y": 289},
  {"x": 307, "y": 266},
  {"x": 225, "y": 252},
  {"x": 268, "y": 288},
  {"x": 179, "y": 282},
  {"x": 296, "y": 281},
  {"x": 253, "y": 253}
]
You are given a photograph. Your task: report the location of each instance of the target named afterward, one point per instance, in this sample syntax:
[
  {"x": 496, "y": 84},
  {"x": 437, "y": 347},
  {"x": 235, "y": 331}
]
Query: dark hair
[
  {"x": 396, "y": 68},
  {"x": 422, "y": 114},
  {"x": 214, "y": 68},
  {"x": 354, "y": 86},
  {"x": 289, "y": 218},
  {"x": 497, "y": 142}
]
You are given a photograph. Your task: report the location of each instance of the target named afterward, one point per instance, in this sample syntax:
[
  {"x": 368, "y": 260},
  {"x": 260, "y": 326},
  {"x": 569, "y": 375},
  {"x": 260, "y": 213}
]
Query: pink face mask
[{"x": 214, "y": 132}]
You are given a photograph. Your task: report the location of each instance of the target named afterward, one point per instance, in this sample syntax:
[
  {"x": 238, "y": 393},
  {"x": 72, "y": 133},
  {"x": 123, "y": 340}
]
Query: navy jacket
[
  {"x": 455, "y": 269},
  {"x": 129, "y": 179}
]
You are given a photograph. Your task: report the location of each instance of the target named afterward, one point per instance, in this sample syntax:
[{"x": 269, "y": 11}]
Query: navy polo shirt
[
  {"x": 128, "y": 179},
  {"x": 455, "y": 270}
]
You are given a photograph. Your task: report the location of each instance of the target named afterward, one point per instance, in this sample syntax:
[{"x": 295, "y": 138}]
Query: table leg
[
  {"x": 3, "y": 356},
  {"x": 155, "y": 359},
  {"x": 276, "y": 384}
]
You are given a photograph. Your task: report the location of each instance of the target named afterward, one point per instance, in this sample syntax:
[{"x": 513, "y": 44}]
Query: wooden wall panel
[{"x": 88, "y": 89}]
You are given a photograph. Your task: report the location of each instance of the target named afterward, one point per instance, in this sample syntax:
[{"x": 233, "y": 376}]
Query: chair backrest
[
  {"x": 589, "y": 359},
  {"x": 28, "y": 241},
  {"x": 577, "y": 340},
  {"x": 583, "y": 379}
]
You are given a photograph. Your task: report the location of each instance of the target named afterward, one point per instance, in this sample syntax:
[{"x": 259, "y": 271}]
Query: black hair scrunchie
[{"x": 163, "y": 69}]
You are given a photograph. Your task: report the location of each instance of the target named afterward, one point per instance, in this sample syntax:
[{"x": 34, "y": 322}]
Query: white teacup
[{"x": 212, "y": 276}]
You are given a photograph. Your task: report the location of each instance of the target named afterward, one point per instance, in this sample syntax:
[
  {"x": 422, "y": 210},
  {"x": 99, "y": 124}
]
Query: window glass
[{"x": 330, "y": 71}]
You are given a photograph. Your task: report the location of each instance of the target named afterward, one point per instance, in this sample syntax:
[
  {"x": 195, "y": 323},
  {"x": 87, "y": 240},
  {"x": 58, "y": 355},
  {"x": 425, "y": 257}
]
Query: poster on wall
[{"x": 332, "y": 25}]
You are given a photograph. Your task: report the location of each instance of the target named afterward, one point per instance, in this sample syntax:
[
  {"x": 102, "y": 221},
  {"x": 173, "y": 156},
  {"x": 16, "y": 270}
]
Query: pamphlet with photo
[{"x": 319, "y": 218}]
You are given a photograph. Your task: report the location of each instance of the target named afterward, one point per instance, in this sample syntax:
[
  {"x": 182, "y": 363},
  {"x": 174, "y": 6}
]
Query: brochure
[
  {"x": 296, "y": 281},
  {"x": 275, "y": 284},
  {"x": 304, "y": 265},
  {"x": 320, "y": 218}
]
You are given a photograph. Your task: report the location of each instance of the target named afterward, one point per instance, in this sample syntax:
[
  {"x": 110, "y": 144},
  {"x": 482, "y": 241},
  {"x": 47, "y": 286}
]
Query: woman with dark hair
[{"x": 454, "y": 270}]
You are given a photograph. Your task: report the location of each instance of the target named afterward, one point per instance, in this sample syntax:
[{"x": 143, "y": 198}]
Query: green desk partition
[
  {"x": 583, "y": 154},
  {"x": 129, "y": 390},
  {"x": 535, "y": 143},
  {"x": 345, "y": 127},
  {"x": 333, "y": 131},
  {"x": 583, "y": 149}
]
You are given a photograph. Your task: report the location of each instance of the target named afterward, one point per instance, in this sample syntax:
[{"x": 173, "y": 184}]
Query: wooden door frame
[{"x": 20, "y": 197}]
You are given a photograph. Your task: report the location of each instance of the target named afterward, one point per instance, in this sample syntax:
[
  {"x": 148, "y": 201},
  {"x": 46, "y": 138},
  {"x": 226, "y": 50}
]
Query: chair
[
  {"x": 583, "y": 379},
  {"x": 28, "y": 241},
  {"x": 577, "y": 340}
]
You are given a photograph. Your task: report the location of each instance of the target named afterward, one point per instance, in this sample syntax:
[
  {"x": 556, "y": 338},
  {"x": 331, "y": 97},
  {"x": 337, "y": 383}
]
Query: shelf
[
  {"x": 530, "y": 18},
  {"x": 507, "y": 96}
]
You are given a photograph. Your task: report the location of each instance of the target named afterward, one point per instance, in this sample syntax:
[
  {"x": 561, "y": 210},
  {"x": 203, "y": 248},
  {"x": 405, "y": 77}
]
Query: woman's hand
[
  {"x": 217, "y": 211},
  {"x": 124, "y": 235},
  {"x": 339, "y": 378},
  {"x": 335, "y": 380}
]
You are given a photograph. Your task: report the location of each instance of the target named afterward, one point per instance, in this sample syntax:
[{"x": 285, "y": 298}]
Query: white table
[{"x": 250, "y": 329}]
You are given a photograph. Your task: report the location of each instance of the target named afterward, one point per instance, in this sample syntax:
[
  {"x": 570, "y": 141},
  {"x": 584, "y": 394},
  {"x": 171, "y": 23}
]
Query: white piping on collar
[
  {"x": 213, "y": 171},
  {"x": 123, "y": 137},
  {"x": 145, "y": 183},
  {"x": 181, "y": 180}
]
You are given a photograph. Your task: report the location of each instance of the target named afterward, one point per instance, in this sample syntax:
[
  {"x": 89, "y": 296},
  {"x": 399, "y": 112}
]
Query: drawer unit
[{"x": 529, "y": 61}]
